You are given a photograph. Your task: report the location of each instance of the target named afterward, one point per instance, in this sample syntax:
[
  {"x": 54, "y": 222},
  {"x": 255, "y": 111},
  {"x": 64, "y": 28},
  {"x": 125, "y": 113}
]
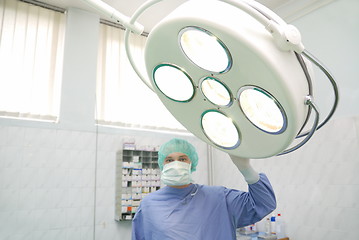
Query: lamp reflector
[
  {"x": 220, "y": 129},
  {"x": 173, "y": 82},
  {"x": 262, "y": 109},
  {"x": 216, "y": 92},
  {"x": 205, "y": 50},
  {"x": 221, "y": 51}
]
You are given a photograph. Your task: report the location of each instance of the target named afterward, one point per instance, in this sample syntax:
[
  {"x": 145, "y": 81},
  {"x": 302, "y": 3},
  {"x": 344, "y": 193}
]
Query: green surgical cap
[{"x": 178, "y": 145}]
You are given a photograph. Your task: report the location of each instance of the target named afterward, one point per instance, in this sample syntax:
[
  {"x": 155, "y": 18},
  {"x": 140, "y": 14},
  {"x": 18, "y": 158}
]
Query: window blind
[
  {"x": 31, "y": 54},
  {"x": 122, "y": 98}
]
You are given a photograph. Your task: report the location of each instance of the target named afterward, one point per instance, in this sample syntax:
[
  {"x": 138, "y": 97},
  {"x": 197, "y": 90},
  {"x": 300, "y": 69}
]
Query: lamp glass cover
[
  {"x": 216, "y": 92},
  {"x": 205, "y": 50},
  {"x": 262, "y": 110},
  {"x": 220, "y": 129},
  {"x": 173, "y": 82}
]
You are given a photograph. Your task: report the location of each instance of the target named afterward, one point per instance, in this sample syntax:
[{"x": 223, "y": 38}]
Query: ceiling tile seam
[{"x": 296, "y": 9}]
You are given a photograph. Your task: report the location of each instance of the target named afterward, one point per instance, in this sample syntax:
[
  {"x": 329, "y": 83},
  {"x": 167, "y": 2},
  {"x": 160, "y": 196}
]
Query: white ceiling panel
[{"x": 287, "y": 9}]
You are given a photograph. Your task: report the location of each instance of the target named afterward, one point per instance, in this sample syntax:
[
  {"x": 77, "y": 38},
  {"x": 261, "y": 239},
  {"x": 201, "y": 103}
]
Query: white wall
[
  {"x": 79, "y": 71},
  {"x": 331, "y": 33}
]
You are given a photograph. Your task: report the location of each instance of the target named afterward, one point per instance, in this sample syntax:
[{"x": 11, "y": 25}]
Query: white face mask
[{"x": 176, "y": 173}]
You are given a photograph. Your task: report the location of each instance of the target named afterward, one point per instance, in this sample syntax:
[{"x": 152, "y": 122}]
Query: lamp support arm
[
  {"x": 287, "y": 37},
  {"x": 308, "y": 101},
  {"x": 333, "y": 83},
  {"x": 116, "y": 15}
]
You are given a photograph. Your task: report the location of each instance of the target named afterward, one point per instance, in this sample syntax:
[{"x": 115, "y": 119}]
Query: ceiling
[{"x": 287, "y": 9}]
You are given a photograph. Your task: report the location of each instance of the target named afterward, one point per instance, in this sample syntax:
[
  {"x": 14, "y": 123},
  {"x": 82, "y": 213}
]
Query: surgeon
[{"x": 183, "y": 210}]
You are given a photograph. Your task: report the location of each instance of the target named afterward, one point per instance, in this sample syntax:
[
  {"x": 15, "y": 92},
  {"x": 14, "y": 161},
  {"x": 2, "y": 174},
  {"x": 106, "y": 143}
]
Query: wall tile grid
[
  {"x": 47, "y": 179},
  {"x": 324, "y": 184},
  {"x": 46, "y": 183},
  {"x": 317, "y": 186}
]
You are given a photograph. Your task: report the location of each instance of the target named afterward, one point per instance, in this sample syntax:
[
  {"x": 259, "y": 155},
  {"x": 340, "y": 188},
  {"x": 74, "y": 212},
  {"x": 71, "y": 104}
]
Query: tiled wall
[
  {"x": 317, "y": 186},
  {"x": 47, "y": 180},
  {"x": 46, "y": 183}
]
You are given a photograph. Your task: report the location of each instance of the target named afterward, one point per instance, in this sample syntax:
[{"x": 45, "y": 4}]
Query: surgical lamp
[{"x": 233, "y": 73}]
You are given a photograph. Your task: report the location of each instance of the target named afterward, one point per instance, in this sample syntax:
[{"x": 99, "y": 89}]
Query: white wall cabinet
[{"x": 137, "y": 175}]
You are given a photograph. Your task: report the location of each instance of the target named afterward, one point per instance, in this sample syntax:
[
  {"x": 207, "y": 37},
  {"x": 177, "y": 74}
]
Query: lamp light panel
[
  {"x": 220, "y": 129},
  {"x": 173, "y": 82},
  {"x": 216, "y": 92},
  {"x": 262, "y": 109},
  {"x": 204, "y": 49}
]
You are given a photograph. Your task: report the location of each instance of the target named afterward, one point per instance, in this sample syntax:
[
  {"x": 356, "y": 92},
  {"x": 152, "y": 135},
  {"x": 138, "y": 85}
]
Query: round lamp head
[{"x": 225, "y": 80}]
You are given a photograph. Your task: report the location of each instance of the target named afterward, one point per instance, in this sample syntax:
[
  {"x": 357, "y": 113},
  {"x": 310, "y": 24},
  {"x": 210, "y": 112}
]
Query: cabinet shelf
[{"x": 137, "y": 174}]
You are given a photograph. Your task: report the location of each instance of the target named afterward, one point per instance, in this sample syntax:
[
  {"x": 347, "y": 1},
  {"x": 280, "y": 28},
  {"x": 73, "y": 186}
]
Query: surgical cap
[{"x": 178, "y": 145}]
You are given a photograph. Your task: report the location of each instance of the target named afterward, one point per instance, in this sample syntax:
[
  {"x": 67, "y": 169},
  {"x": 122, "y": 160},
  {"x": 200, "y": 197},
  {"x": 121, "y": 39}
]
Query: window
[
  {"x": 122, "y": 98},
  {"x": 31, "y": 54}
]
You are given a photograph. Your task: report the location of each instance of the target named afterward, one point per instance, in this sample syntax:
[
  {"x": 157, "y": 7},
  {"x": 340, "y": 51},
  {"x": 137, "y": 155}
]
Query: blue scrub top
[{"x": 200, "y": 212}]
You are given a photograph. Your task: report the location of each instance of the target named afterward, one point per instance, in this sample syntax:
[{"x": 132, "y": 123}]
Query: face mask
[{"x": 176, "y": 173}]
